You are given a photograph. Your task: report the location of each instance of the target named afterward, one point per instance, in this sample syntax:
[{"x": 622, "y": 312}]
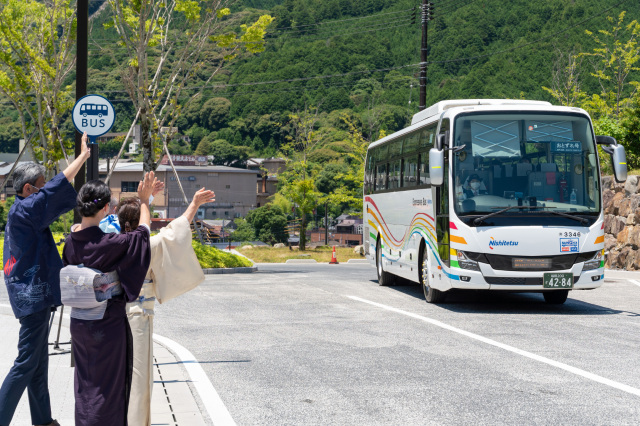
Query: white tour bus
[{"x": 489, "y": 195}]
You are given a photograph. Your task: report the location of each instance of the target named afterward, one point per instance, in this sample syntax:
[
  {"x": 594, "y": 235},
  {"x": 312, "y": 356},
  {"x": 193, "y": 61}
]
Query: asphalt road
[{"x": 324, "y": 344}]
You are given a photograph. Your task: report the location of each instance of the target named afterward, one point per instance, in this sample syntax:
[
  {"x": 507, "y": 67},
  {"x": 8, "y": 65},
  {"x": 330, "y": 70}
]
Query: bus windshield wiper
[
  {"x": 480, "y": 219},
  {"x": 582, "y": 220}
]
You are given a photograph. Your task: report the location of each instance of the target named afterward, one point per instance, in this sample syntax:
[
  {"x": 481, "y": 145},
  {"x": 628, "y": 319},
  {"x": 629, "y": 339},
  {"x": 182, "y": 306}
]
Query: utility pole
[
  {"x": 82, "y": 52},
  {"x": 82, "y": 42},
  {"x": 82, "y": 37},
  {"x": 427, "y": 15}
]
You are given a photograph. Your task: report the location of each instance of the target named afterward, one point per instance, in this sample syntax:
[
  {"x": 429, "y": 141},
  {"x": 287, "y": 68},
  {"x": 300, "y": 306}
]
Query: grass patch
[
  {"x": 209, "y": 257},
  {"x": 260, "y": 254}
]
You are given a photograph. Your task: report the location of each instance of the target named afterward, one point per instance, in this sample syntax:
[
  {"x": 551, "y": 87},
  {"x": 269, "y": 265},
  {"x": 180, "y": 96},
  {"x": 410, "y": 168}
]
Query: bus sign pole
[{"x": 94, "y": 115}]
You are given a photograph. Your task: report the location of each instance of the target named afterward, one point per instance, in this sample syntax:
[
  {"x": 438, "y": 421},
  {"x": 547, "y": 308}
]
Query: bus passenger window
[
  {"x": 410, "y": 175},
  {"x": 381, "y": 177},
  {"x": 423, "y": 168},
  {"x": 394, "y": 174}
]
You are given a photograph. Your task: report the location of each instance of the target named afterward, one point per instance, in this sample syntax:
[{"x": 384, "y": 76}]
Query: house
[
  {"x": 235, "y": 188},
  {"x": 349, "y": 226},
  {"x": 268, "y": 169}
]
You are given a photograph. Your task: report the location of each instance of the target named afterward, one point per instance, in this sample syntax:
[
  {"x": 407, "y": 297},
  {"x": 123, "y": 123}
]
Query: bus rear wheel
[
  {"x": 556, "y": 297},
  {"x": 431, "y": 295},
  {"x": 384, "y": 278}
]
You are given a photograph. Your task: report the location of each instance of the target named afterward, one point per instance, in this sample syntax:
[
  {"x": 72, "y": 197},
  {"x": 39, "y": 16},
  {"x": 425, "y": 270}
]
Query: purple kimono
[{"x": 103, "y": 348}]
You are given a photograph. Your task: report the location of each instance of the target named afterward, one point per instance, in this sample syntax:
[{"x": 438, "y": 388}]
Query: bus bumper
[{"x": 488, "y": 279}]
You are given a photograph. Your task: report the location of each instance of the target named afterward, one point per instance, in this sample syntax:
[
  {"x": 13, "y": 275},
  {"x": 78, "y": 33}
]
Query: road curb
[
  {"x": 241, "y": 270},
  {"x": 301, "y": 261},
  {"x": 358, "y": 261}
]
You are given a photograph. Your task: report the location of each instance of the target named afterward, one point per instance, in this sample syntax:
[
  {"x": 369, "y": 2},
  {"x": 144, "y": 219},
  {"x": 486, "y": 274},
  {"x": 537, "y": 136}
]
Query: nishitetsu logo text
[{"x": 501, "y": 243}]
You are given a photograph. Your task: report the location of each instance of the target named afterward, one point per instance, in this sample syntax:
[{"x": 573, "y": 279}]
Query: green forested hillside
[{"x": 358, "y": 58}]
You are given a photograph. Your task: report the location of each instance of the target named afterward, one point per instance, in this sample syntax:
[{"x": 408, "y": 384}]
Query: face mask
[{"x": 475, "y": 185}]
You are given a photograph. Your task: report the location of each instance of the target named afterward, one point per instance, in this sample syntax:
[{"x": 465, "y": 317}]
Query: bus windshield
[{"x": 542, "y": 160}]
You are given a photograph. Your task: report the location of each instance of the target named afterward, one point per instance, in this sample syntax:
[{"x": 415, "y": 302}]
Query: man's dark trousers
[{"x": 30, "y": 370}]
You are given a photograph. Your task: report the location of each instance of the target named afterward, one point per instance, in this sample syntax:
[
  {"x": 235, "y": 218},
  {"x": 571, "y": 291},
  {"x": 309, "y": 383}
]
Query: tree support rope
[
  {"x": 175, "y": 173},
  {"x": 135, "y": 120}
]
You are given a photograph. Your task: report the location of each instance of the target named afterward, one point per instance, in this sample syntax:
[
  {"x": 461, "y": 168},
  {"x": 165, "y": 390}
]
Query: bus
[
  {"x": 94, "y": 109},
  {"x": 489, "y": 194}
]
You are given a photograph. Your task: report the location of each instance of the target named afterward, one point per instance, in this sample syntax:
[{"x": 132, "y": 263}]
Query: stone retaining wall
[{"x": 621, "y": 223}]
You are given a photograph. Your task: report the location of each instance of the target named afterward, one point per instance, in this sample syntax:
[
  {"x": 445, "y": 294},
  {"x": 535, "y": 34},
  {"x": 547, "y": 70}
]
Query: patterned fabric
[
  {"x": 31, "y": 261},
  {"x": 110, "y": 224},
  {"x": 87, "y": 290}
]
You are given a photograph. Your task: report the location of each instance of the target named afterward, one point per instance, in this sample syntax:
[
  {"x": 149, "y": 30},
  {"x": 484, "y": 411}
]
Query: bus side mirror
[
  {"x": 606, "y": 140},
  {"x": 436, "y": 166},
  {"x": 619, "y": 161},
  {"x": 441, "y": 140},
  {"x": 618, "y": 156}
]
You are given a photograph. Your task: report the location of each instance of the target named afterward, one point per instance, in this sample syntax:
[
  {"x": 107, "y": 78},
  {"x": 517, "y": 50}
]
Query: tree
[
  {"x": 168, "y": 43},
  {"x": 244, "y": 231},
  {"x": 36, "y": 39},
  {"x": 304, "y": 196},
  {"x": 350, "y": 193},
  {"x": 296, "y": 182},
  {"x": 615, "y": 60},
  {"x": 566, "y": 78},
  {"x": 269, "y": 223},
  {"x": 257, "y": 144},
  {"x": 631, "y": 124},
  {"x": 215, "y": 113},
  {"x": 5, "y": 206}
]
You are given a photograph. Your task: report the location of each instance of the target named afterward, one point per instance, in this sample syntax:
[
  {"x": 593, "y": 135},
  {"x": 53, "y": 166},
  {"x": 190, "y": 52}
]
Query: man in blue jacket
[{"x": 32, "y": 275}]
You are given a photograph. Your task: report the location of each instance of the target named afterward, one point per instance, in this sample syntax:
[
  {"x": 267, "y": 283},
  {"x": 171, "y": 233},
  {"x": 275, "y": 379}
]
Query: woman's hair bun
[{"x": 92, "y": 198}]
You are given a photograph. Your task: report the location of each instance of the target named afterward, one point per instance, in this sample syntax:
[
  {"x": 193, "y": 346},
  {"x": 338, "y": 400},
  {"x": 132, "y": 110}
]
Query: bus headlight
[
  {"x": 466, "y": 263},
  {"x": 594, "y": 263}
]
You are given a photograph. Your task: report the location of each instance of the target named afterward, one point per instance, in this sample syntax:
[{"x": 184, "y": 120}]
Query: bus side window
[
  {"x": 410, "y": 174},
  {"x": 423, "y": 168},
  {"x": 381, "y": 176},
  {"x": 394, "y": 173},
  {"x": 369, "y": 174}
]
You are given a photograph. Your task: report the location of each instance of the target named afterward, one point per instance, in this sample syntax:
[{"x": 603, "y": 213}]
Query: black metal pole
[
  {"x": 423, "y": 55},
  {"x": 92, "y": 164},
  {"x": 82, "y": 37},
  {"x": 326, "y": 225}
]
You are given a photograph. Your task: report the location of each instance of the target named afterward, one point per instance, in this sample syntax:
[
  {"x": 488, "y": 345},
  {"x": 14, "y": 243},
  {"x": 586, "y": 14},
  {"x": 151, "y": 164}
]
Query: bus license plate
[{"x": 557, "y": 280}]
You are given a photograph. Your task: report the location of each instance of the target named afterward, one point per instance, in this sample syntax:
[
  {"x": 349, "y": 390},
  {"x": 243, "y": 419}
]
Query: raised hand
[
  {"x": 157, "y": 187},
  {"x": 145, "y": 187},
  {"x": 85, "y": 152},
  {"x": 203, "y": 196}
]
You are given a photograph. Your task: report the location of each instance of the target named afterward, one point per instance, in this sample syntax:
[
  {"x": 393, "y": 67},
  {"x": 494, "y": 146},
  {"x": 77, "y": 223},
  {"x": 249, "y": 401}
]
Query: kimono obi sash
[
  {"x": 88, "y": 290},
  {"x": 145, "y": 302}
]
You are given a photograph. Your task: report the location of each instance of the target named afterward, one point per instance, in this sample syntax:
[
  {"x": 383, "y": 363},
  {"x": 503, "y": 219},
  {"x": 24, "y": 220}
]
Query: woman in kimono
[
  {"x": 102, "y": 348},
  {"x": 174, "y": 270}
]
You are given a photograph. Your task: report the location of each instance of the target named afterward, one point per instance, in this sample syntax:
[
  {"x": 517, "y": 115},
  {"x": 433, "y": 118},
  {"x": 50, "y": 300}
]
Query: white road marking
[
  {"x": 574, "y": 370},
  {"x": 636, "y": 282},
  {"x": 208, "y": 394}
]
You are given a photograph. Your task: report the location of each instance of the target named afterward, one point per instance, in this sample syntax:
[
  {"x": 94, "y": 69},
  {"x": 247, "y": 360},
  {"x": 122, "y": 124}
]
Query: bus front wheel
[
  {"x": 384, "y": 278},
  {"x": 431, "y": 295},
  {"x": 556, "y": 297}
]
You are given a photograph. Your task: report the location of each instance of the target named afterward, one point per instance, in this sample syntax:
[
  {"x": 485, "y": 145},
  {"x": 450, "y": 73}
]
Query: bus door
[{"x": 442, "y": 215}]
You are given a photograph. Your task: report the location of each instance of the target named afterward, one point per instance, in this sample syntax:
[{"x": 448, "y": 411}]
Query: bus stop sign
[{"x": 93, "y": 114}]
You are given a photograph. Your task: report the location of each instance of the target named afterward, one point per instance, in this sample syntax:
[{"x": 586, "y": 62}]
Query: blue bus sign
[{"x": 93, "y": 114}]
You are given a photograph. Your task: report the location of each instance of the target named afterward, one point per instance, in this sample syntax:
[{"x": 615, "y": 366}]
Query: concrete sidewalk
[{"x": 173, "y": 402}]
